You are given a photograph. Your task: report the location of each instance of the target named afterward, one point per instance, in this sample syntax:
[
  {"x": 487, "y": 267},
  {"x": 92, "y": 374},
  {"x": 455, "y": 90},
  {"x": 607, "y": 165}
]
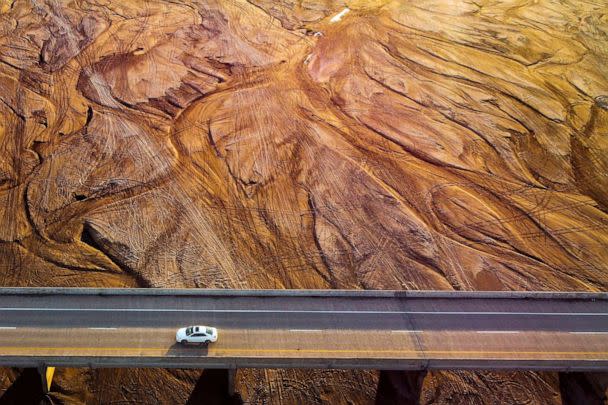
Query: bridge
[{"x": 386, "y": 330}]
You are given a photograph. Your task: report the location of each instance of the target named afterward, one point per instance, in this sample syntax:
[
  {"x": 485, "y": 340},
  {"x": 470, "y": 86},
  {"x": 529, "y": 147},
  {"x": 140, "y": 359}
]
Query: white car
[{"x": 196, "y": 334}]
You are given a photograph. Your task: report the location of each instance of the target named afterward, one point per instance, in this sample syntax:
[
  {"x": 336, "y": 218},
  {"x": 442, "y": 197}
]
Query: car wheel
[{"x": 183, "y": 341}]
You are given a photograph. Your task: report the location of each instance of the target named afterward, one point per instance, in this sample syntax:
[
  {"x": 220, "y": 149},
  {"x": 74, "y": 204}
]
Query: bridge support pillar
[
  {"x": 231, "y": 381},
  {"x": 46, "y": 377},
  {"x": 399, "y": 387},
  {"x": 584, "y": 388}
]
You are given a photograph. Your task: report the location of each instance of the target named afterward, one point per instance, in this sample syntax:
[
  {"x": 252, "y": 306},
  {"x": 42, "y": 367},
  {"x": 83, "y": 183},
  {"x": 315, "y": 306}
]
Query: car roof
[{"x": 197, "y": 327}]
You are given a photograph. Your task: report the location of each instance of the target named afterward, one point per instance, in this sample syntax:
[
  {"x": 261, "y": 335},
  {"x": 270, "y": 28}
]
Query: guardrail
[{"x": 305, "y": 293}]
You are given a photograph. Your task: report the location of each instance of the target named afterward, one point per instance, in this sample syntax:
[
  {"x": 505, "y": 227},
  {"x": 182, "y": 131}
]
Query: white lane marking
[
  {"x": 590, "y": 333},
  {"x": 339, "y": 16},
  {"x": 8, "y": 327},
  {"x": 305, "y": 330},
  {"x": 406, "y": 331},
  {"x": 498, "y": 331},
  {"x": 103, "y": 328},
  {"x": 303, "y": 311}
]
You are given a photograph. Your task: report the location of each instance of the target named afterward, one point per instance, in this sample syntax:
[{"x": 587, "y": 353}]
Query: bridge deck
[{"x": 355, "y": 329}]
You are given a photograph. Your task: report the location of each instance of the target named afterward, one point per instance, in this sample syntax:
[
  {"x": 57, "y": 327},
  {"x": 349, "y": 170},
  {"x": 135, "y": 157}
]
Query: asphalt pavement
[{"x": 347, "y": 330}]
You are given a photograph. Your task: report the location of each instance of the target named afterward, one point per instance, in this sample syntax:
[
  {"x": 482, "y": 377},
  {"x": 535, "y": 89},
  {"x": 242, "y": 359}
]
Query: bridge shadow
[
  {"x": 212, "y": 388},
  {"x": 26, "y": 389},
  {"x": 213, "y": 385}
]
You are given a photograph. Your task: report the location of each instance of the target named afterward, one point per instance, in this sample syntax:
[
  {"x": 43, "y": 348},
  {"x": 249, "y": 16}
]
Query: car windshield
[
  {"x": 189, "y": 331},
  {"x": 209, "y": 331}
]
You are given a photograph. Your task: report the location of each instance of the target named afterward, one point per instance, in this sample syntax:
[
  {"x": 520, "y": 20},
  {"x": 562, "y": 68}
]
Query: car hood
[{"x": 214, "y": 335}]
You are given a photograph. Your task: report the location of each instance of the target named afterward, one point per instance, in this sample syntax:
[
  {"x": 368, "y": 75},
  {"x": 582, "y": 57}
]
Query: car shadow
[{"x": 188, "y": 349}]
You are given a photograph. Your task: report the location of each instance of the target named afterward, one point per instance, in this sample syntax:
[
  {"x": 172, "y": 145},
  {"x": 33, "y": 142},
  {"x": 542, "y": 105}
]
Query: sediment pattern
[{"x": 259, "y": 144}]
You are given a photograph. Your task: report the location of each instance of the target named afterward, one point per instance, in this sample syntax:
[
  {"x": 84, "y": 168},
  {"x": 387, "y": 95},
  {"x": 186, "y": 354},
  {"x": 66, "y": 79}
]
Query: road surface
[{"x": 312, "y": 329}]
